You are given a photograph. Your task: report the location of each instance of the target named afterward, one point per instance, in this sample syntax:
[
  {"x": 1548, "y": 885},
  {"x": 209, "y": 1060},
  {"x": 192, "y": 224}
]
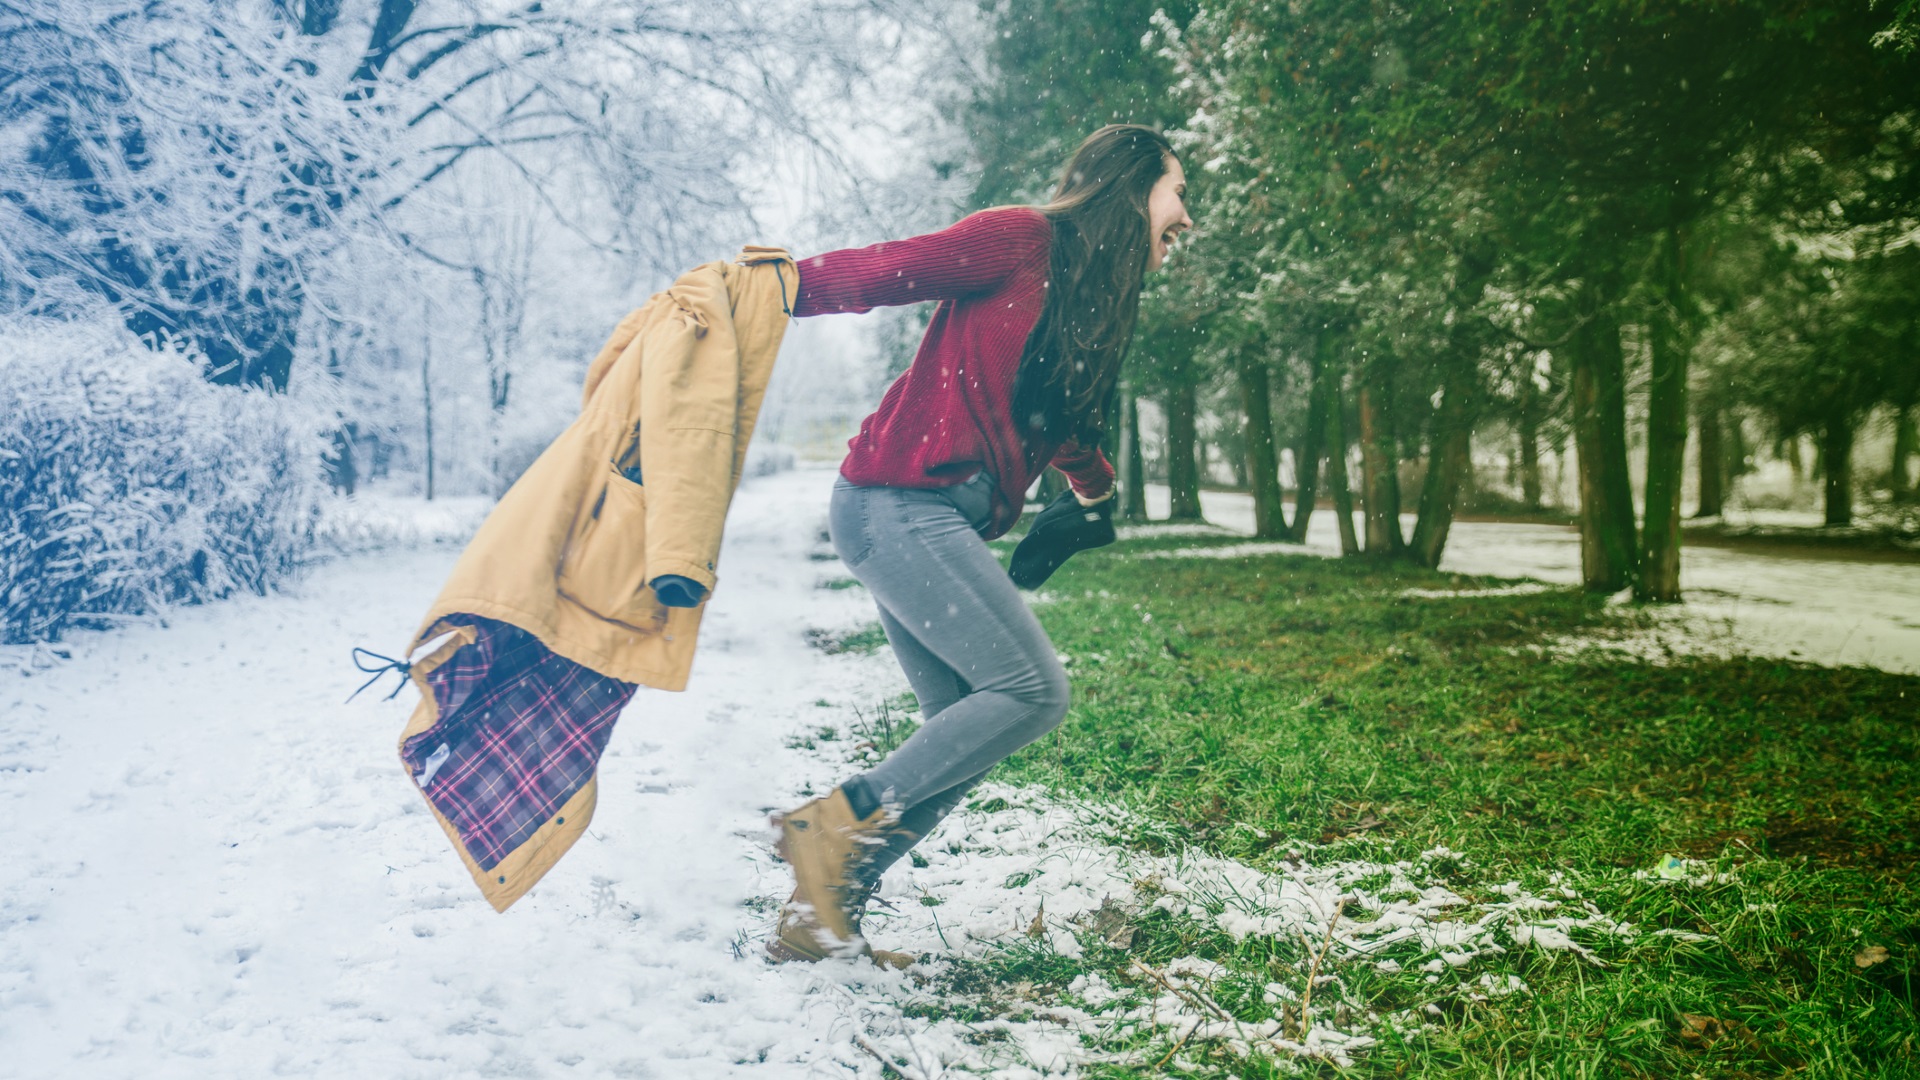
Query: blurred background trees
[
  {"x": 388, "y": 234},
  {"x": 297, "y": 191},
  {"x": 1608, "y": 262},
  {"x": 1441, "y": 247}
]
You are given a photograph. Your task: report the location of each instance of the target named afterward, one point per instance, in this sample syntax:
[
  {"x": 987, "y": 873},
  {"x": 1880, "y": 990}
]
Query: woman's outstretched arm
[{"x": 973, "y": 256}]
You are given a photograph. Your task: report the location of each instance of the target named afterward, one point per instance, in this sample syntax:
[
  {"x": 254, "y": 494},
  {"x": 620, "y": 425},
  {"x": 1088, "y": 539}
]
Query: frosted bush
[
  {"x": 128, "y": 482},
  {"x": 768, "y": 458}
]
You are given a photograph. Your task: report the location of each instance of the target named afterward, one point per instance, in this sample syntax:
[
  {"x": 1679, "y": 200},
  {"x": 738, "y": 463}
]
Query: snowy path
[
  {"x": 1832, "y": 612},
  {"x": 215, "y": 868}
]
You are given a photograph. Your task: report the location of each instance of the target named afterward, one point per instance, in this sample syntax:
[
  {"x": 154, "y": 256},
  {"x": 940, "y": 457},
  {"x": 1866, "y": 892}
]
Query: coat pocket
[{"x": 605, "y": 569}]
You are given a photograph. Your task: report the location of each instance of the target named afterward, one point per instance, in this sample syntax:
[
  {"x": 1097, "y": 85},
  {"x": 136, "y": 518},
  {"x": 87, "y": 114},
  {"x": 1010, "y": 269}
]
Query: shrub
[
  {"x": 768, "y": 458},
  {"x": 128, "y": 482}
]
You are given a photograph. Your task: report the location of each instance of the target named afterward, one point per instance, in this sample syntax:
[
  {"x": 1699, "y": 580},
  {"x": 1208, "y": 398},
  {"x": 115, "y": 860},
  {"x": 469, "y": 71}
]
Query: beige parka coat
[{"x": 568, "y": 551}]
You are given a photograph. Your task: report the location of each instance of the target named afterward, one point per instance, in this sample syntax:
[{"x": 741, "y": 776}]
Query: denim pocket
[
  {"x": 935, "y": 513},
  {"x": 848, "y": 524},
  {"x": 974, "y": 499}
]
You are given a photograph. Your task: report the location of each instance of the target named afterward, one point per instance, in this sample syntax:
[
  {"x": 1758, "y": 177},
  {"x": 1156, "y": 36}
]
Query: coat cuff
[{"x": 700, "y": 572}]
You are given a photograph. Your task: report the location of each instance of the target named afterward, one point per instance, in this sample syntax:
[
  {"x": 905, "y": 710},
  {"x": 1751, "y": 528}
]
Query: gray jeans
[{"x": 987, "y": 678}]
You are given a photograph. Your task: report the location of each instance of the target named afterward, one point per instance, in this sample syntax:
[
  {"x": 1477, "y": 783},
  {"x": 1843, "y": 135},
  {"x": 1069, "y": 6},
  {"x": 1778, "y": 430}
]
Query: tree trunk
[
  {"x": 1337, "y": 465},
  {"x": 1448, "y": 461},
  {"x": 1607, "y": 548},
  {"x": 1263, "y": 456},
  {"x": 1133, "y": 463},
  {"x": 1713, "y": 459},
  {"x": 388, "y": 25},
  {"x": 426, "y": 401},
  {"x": 1450, "y": 444},
  {"x": 1906, "y": 443},
  {"x": 1561, "y": 459},
  {"x": 1183, "y": 474},
  {"x": 250, "y": 340},
  {"x": 1736, "y": 450},
  {"x": 246, "y": 335},
  {"x": 1836, "y": 460},
  {"x": 317, "y": 17},
  {"x": 1380, "y": 478},
  {"x": 1233, "y": 449},
  {"x": 341, "y": 461},
  {"x": 1529, "y": 442},
  {"x": 1671, "y": 340},
  {"x": 1313, "y": 441}
]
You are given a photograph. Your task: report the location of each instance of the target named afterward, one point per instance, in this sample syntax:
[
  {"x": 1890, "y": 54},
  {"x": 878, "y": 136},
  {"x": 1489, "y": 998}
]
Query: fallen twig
[
  {"x": 1306, "y": 996},
  {"x": 1192, "y": 997},
  {"x": 897, "y": 1070},
  {"x": 1162, "y": 1063},
  {"x": 1199, "y": 998}
]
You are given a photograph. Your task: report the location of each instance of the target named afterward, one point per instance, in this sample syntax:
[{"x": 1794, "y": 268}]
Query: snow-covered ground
[
  {"x": 217, "y": 867},
  {"x": 1834, "y": 612}
]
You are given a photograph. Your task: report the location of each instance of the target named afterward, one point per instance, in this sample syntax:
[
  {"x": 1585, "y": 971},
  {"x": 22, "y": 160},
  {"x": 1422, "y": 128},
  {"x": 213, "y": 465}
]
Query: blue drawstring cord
[{"x": 388, "y": 663}]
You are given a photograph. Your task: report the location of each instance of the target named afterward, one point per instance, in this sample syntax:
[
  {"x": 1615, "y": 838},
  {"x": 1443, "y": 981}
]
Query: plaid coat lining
[{"x": 519, "y": 732}]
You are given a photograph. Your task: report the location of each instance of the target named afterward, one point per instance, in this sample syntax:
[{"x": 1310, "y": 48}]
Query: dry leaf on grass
[
  {"x": 1869, "y": 956},
  {"x": 1702, "y": 1032},
  {"x": 1112, "y": 920}
]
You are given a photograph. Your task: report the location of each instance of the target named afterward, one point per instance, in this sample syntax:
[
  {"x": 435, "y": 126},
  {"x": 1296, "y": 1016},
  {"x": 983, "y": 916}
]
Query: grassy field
[{"x": 1290, "y": 708}]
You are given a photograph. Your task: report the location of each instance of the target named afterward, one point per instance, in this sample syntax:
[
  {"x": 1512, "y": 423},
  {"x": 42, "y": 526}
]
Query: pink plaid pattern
[{"x": 520, "y": 731}]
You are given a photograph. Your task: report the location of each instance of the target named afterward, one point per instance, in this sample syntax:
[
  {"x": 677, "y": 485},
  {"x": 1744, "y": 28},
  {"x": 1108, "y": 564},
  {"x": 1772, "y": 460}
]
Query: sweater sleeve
[
  {"x": 1088, "y": 471},
  {"x": 974, "y": 255}
]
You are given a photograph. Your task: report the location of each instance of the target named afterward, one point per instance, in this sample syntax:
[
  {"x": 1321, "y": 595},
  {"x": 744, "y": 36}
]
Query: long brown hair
[{"x": 1070, "y": 369}]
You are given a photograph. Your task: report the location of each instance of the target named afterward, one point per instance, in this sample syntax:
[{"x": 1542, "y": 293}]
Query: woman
[{"x": 1018, "y": 369}]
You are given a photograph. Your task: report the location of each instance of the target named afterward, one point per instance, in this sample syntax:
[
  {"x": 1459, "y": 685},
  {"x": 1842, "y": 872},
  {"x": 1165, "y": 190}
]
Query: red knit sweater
[{"x": 950, "y": 414}]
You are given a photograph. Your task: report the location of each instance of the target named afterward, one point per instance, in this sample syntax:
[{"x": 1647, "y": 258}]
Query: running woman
[{"x": 1019, "y": 367}]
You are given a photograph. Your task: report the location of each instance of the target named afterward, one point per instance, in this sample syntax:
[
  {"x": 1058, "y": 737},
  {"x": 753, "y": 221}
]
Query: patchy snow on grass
[
  {"x": 221, "y": 870},
  {"x": 1525, "y": 588},
  {"x": 1231, "y": 551},
  {"x": 1693, "y": 873},
  {"x": 1017, "y": 869},
  {"x": 1158, "y": 529},
  {"x": 1738, "y": 602}
]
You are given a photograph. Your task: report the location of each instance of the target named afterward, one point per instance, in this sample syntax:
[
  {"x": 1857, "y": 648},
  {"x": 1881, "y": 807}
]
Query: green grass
[
  {"x": 1269, "y": 706},
  {"x": 865, "y": 639}
]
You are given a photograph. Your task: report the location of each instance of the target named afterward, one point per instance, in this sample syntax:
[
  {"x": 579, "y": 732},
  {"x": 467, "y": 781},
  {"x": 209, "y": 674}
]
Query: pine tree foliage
[{"x": 1563, "y": 222}]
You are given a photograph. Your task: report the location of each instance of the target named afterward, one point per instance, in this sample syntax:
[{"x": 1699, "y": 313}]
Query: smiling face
[{"x": 1167, "y": 212}]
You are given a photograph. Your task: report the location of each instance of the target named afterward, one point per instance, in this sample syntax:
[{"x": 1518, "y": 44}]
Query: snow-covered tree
[{"x": 196, "y": 166}]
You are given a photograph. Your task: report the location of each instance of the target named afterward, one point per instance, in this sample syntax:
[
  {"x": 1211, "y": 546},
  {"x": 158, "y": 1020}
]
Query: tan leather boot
[
  {"x": 825, "y": 844},
  {"x": 799, "y": 937}
]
